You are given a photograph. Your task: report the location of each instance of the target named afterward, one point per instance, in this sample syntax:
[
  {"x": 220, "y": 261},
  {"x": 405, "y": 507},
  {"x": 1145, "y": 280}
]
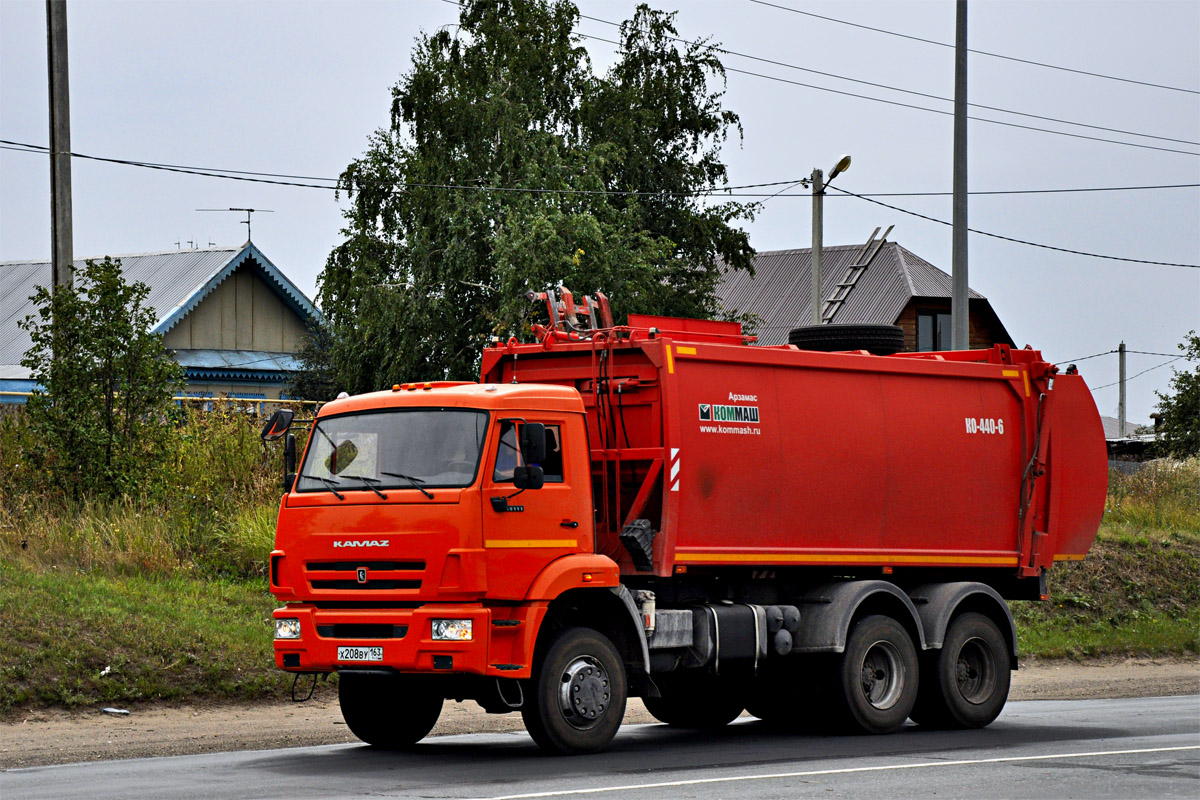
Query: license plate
[{"x": 360, "y": 654}]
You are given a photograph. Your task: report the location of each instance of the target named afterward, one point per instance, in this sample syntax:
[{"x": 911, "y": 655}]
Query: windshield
[{"x": 418, "y": 449}]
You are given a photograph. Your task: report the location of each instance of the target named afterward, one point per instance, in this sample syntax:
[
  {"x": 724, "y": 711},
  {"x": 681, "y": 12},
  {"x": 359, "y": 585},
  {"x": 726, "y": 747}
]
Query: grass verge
[{"x": 75, "y": 638}]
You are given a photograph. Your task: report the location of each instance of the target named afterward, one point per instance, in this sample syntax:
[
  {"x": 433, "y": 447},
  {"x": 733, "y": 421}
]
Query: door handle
[{"x": 567, "y": 523}]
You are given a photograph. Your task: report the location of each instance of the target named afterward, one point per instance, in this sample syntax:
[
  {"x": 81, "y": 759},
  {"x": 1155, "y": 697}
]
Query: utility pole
[
  {"x": 818, "y": 183},
  {"x": 960, "y": 334},
  {"x": 1121, "y": 394},
  {"x": 818, "y": 222},
  {"x": 61, "y": 244}
]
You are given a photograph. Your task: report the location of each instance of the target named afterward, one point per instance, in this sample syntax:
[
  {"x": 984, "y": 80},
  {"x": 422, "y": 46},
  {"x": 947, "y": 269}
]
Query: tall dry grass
[{"x": 209, "y": 510}]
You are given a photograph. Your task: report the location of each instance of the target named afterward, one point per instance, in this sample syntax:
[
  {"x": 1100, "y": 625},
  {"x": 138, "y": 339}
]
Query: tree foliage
[
  {"x": 1178, "y": 430},
  {"x": 599, "y": 179},
  {"x": 99, "y": 410}
]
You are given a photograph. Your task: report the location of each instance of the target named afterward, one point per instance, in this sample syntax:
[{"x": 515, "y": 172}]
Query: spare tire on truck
[{"x": 881, "y": 340}]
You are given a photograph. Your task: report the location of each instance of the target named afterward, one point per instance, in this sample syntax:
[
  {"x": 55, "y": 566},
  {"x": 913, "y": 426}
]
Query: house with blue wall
[{"x": 229, "y": 316}]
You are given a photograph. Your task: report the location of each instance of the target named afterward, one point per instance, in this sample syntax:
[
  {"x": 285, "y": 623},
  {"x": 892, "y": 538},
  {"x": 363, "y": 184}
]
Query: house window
[{"x": 933, "y": 331}]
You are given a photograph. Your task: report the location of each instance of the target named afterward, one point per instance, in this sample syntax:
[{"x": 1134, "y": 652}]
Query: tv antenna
[{"x": 248, "y": 211}]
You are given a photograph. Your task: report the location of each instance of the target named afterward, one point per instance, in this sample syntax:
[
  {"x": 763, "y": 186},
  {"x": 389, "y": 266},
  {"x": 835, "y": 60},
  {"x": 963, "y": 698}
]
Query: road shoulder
[{"x": 42, "y": 737}]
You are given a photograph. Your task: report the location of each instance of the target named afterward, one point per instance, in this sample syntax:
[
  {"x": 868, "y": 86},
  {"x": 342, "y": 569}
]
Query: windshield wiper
[
  {"x": 416, "y": 482},
  {"x": 329, "y": 484},
  {"x": 370, "y": 483}
]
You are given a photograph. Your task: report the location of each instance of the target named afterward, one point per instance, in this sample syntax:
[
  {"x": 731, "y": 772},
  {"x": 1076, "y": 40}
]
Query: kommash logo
[{"x": 710, "y": 412}]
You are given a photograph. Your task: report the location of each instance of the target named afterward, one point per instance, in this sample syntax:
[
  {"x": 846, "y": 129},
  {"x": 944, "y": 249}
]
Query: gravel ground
[{"x": 56, "y": 736}]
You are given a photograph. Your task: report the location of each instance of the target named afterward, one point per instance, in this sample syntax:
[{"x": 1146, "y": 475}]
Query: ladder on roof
[{"x": 843, "y": 289}]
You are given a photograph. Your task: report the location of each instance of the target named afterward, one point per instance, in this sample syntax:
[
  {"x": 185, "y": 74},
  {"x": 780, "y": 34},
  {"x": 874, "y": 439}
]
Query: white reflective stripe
[
  {"x": 675, "y": 470},
  {"x": 675, "y": 486},
  {"x": 674, "y": 452}
]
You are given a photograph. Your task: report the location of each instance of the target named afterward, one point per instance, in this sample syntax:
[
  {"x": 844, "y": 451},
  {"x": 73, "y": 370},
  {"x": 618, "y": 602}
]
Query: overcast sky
[{"x": 296, "y": 87}]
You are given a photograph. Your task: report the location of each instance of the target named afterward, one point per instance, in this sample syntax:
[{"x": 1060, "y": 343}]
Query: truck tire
[
  {"x": 579, "y": 693},
  {"x": 881, "y": 340},
  {"x": 387, "y": 711},
  {"x": 695, "y": 701},
  {"x": 875, "y": 681},
  {"x": 965, "y": 684}
]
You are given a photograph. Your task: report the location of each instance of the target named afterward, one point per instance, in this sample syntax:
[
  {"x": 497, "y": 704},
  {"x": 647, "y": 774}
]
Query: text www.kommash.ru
[{"x": 742, "y": 429}]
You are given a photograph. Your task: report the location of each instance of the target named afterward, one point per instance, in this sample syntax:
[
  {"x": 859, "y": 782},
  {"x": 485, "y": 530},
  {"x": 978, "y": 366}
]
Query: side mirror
[
  {"x": 277, "y": 424},
  {"x": 533, "y": 443},
  {"x": 289, "y": 461},
  {"x": 528, "y": 478}
]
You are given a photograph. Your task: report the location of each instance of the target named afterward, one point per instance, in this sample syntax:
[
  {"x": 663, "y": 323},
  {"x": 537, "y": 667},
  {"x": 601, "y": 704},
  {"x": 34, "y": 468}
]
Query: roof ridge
[
  {"x": 214, "y": 249},
  {"x": 805, "y": 249},
  {"x": 903, "y": 262}
]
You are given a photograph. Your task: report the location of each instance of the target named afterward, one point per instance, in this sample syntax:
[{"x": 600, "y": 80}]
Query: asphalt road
[{"x": 1093, "y": 749}]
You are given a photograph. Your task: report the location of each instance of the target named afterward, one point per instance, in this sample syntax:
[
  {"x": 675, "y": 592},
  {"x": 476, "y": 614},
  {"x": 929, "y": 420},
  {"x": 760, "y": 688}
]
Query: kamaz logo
[
  {"x": 362, "y": 543},
  {"x": 712, "y": 413}
]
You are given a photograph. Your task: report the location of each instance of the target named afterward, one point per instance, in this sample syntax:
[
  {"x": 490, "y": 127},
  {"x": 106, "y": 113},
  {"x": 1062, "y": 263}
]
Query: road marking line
[{"x": 633, "y": 787}]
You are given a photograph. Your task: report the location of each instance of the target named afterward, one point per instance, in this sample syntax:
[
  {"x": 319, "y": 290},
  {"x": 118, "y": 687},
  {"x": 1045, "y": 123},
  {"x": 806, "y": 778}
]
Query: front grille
[
  {"x": 347, "y": 630},
  {"x": 369, "y": 584},
  {"x": 351, "y": 566},
  {"x": 378, "y": 575}
]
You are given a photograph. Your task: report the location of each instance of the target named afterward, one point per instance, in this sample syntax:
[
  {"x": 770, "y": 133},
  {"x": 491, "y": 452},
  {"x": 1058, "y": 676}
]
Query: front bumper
[{"x": 323, "y": 631}]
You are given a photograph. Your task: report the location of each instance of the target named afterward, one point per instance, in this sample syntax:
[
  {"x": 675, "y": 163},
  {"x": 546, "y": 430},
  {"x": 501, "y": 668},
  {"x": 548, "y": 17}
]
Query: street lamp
[{"x": 819, "y": 183}]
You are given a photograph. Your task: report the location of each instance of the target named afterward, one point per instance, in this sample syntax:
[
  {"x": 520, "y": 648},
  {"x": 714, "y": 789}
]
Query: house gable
[{"x": 242, "y": 312}]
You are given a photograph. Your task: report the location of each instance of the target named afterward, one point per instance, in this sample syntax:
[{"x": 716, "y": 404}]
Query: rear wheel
[
  {"x": 388, "y": 711},
  {"x": 965, "y": 684},
  {"x": 875, "y": 684},
  {"x": 695, "y": 701},
  {"x": 579, "y": 694}
]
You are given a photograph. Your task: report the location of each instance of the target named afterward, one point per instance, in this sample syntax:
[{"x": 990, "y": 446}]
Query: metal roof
[
  {"x": 780, "y": 293},
  {"x": 178, "y": 279}
]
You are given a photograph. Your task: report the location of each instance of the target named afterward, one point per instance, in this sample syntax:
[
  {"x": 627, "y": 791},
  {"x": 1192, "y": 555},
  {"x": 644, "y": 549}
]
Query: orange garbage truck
[{"x": 664, "y": 510}]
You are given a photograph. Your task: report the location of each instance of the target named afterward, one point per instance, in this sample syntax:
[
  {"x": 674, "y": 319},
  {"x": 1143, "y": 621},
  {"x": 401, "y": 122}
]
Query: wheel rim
[
  {"x": 975, "y": 671},
  {"x": 584, "y": 693},
  {"x": 882, "y": 675}
]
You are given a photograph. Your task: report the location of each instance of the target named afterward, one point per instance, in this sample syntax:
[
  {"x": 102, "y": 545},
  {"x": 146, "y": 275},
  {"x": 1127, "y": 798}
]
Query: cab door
[{"x": 525, "y": 530}]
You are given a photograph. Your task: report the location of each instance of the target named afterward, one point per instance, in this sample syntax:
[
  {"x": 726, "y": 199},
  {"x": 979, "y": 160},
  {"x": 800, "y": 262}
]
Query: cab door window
[{"x": 508, "y": 454}]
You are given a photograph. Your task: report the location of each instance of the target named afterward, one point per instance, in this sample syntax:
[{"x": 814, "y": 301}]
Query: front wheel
[
  {"x": 388, "y": 711},
  {"x": 965, "y": 684},
  {"x": 579, "y": 694},
  {"x": 876, "y": 679}
]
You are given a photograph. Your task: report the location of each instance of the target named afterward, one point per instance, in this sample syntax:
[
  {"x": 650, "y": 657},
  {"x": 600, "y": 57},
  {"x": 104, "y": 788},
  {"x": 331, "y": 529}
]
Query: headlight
[
  {"x": 452, "y": 630},
  {"x": 287, "y": 629}
]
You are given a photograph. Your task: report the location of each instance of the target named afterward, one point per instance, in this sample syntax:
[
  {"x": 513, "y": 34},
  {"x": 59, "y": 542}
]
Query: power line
[
  {"x": 1131, "y": 377},
  {"x": 1114, "y": 352},
  {"x": 894, "y": 88},
  {"x": 1085, "y": 358},
  {"x": 1168, "y": 355},
  {"x": 1017, "y": 241},
  {"x": 249, "y": 175},
  {"x": 978, "y": 52},
  {"x": 951, "y": 113},
  {"x": 907, "y": 91},
  {"x": 245, "y": 176}
]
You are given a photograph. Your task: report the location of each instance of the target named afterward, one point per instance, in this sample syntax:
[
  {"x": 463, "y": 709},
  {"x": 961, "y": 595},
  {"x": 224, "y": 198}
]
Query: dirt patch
[{"x": 57, "y": 737}]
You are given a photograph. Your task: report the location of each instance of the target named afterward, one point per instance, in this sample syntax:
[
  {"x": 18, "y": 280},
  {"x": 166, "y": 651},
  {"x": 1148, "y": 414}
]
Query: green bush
[{"x": 105, "y": 383}]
